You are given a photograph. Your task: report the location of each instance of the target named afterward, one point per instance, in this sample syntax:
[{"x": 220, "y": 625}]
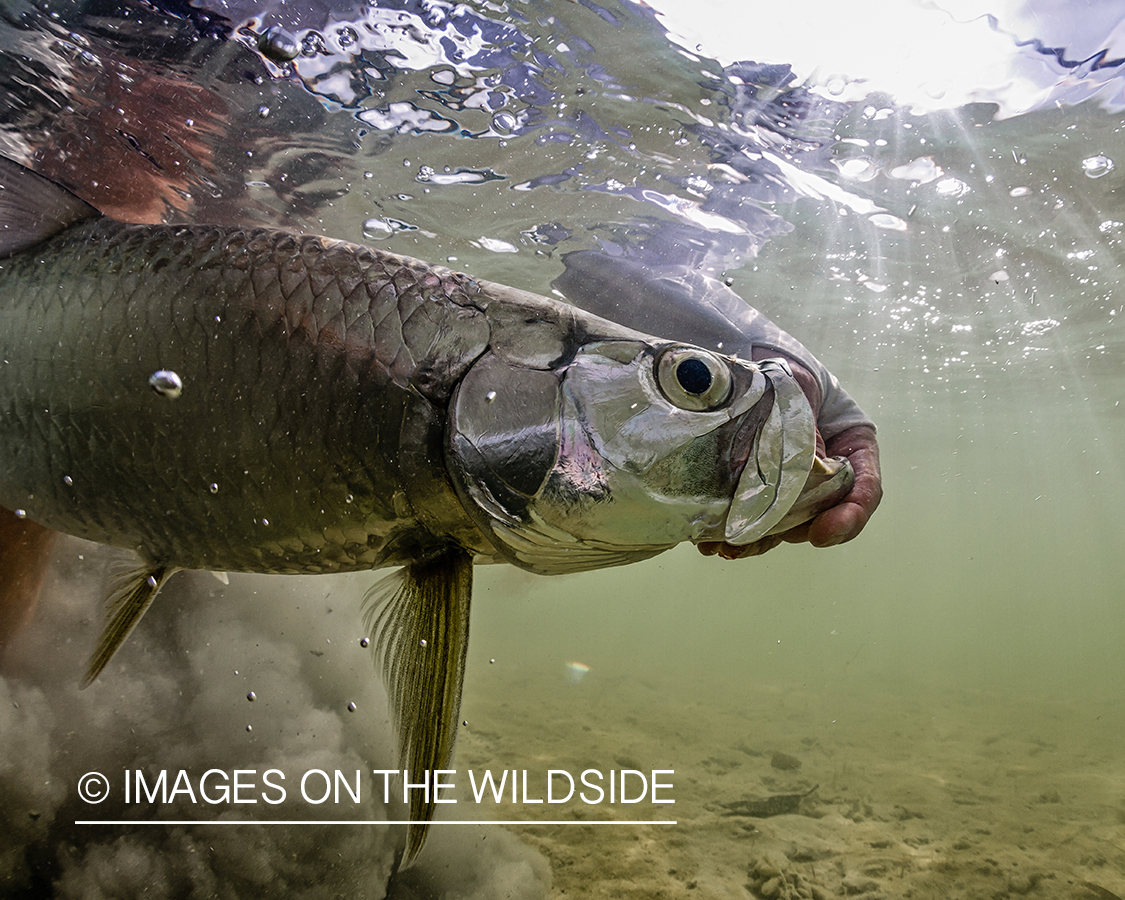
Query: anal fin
[
  {"x": 130, "y": 599},
  {"x": 25, "y": 552},
  {"x": 419, "y": 618}
]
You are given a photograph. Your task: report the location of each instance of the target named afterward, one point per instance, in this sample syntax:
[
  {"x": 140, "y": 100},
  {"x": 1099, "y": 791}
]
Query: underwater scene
[{"x": 929, "y": 196}]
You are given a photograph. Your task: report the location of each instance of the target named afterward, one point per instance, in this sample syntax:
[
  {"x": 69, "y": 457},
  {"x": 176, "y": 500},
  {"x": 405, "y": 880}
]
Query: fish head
[{"x": 626, "y": 449}]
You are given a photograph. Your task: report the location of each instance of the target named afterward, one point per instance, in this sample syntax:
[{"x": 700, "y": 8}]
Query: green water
[
  {"x": 995, "y": 557},
  {"x": 980, "y": 616},
  {"x": 952, "y": 681}
]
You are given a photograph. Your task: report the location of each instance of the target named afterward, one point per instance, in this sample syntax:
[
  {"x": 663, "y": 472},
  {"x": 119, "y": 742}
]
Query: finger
[
  {"x": 739, "y": 551},
  {"x": 847, "y": 518}
]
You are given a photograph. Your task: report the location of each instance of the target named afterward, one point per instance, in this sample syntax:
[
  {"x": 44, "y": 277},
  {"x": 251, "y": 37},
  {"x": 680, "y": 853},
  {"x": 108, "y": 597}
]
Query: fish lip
[
  {"x": 782, "y": 447},
  {"x": 744, "y": 441},
  {"x": 830, "y": 481}
]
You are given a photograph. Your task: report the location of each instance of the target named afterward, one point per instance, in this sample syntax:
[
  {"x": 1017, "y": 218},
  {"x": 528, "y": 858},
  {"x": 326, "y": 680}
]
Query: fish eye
[{"x": 693, "y": 379}]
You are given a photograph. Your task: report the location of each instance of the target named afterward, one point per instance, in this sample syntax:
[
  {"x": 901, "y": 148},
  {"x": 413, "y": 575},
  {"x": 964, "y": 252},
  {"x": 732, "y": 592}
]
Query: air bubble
[
  {"x": 213, "y": 488},
  {"x": 1097, "y": 166},
  {"x": 166, "y": 383},
  {"x": 346, "y": 37},
  {"x": 377, "y": 228},
  {"x": 364, "y": 642},
  {"x": 858, "y": 168},
  {"x": 887, "y": 222},
  {"x": 251, "y": 696},
  {"x": 312, "y": 44},
  {"x": 951, "y": 187},
  {"x": 278, "y": 44},
  {"x": 504, "y": 123},
  {"x": 351, "y": 707},
  {"x": 923, "y": 170}
]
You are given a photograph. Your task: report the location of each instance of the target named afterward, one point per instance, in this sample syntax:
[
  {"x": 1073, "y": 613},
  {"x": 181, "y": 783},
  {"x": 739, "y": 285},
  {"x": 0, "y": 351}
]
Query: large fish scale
[{"x": 343, "y": 360}]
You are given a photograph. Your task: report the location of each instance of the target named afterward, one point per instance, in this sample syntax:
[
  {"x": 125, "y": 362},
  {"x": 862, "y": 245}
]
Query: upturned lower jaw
[
  {"x": 829, "y": 481},
  {"x": 778, "y": 465}
]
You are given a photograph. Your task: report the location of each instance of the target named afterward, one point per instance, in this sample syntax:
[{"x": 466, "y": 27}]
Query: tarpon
[{"x": 261, "y": 400}]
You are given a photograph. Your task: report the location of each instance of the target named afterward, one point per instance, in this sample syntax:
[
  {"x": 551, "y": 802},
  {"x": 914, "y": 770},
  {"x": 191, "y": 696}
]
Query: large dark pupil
[{"x": 694, "y": 376}]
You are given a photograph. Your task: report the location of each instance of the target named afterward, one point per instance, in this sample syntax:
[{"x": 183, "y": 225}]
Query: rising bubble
[
  {"x": 951, "y": 187},
  {"x": 887, "y": 222},
  {"x": 923, "y": 170},
  {"x": 1097, "y": 166},
  {"x": 166, "y": 383},
  {"x": 278, "y": 44},
  {"x": 504, "y": 123},
  {"x": 857, "y": 169}
]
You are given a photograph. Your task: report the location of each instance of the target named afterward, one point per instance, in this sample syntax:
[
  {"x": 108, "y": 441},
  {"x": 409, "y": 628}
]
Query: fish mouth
[
  {"x": 778, "y": 462},
  {"x": 830, "y": 480}
]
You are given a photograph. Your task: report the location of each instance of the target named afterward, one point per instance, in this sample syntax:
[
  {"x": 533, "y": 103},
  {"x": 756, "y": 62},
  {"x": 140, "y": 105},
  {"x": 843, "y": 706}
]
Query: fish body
[
  {"x": 335, "y": 404},
  {"x": 308, "y": 433},
  {"x": 265, "y": 401}
]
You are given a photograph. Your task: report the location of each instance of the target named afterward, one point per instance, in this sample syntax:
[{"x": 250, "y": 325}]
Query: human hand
[{"x": 847, "y": 518}]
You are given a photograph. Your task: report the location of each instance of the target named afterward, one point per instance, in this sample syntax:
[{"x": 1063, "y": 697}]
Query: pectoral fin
[
  {"x": 25, "y": 551},
  {"x": 132, "y": 596},
  {"x": 419, "y": 618}
]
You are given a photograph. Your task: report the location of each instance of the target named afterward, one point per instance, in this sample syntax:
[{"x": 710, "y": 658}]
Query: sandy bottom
[
  {"x": 919, "y": 793},
  {"x": 914, "y": 790}
]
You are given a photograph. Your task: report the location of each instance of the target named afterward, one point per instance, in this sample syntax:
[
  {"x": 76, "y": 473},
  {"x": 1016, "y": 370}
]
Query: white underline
[{"x": 369, "y": 822}]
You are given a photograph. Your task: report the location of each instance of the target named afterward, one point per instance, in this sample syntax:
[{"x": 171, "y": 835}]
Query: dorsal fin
[{"x": 32, "y": 208}]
